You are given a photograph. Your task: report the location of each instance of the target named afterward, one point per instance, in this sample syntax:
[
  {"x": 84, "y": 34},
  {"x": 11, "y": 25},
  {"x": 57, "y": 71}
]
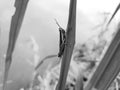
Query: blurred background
[{"x": 39, "y": 35}]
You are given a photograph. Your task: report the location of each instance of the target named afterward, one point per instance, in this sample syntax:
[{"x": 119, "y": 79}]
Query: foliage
[{"x": 78, "y": 63}]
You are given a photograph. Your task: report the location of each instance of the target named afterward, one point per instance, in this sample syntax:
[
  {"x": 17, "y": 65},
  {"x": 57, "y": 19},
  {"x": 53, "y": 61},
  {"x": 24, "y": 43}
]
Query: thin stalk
[
  {"x": 113, "y": 15},
  {"x": 79, "y": 83},
  {"x": 69, "y": 45},
  {"x": 44, "y": 59}
]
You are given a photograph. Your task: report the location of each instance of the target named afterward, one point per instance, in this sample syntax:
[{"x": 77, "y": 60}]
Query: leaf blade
[{"x": 16, "y": 23}]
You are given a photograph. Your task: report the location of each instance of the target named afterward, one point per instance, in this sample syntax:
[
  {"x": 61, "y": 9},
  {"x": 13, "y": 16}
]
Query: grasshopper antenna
[{"x": 57, "y": 23}]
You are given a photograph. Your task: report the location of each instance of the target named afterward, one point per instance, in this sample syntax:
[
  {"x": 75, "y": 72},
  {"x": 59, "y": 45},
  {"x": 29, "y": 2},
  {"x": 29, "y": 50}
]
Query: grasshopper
[{"x": 62, "y": 39}]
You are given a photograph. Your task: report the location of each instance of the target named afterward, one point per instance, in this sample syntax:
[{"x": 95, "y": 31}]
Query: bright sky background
[
  {"x": 87, "y": 6},
  {"x": 40, "y": 14},
  {"x": 39, "y": 18},
  {"x": 97, "y": 5},
  {"x": 90, "y": 7}
]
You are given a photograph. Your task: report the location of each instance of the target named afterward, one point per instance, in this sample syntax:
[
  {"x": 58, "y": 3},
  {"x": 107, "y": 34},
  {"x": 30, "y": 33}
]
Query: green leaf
[{"x": 16, "y": 22}]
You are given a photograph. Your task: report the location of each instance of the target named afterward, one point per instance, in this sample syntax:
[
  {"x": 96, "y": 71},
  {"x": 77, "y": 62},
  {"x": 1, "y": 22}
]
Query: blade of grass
[
  {"x": 16, "y": 22},
  {"x": 106, "y": 61},
  {"x": 111, "y": 71},
  {"x": 113, "y": 15},
  {"x": 108, "y": 54},
  {"x": 70, "y": 41},
  {"x": 44, "y": 59}
]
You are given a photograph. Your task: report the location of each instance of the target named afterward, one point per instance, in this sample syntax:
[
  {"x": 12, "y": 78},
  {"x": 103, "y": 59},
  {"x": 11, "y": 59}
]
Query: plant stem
[{"x": 70, "y": 41}]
